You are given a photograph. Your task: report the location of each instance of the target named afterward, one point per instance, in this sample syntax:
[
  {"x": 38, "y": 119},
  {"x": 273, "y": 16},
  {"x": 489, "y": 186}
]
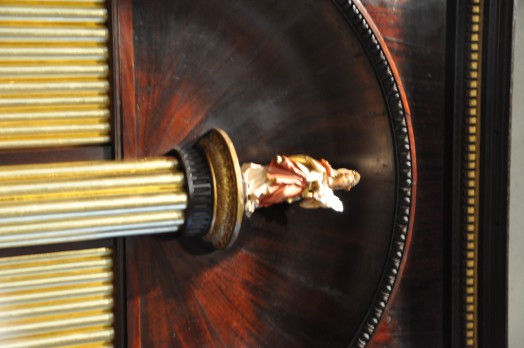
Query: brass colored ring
[{"x": 227, "y": 186}]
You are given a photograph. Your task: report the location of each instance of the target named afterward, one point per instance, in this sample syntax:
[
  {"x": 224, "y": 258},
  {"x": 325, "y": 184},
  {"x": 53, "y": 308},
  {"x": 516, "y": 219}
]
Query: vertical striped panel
[
  {"x": 57, "y": 299},
  {"x": 54, "y": 87}
]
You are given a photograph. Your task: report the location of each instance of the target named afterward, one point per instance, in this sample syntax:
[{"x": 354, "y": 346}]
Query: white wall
[{"x": 516, "y": 220}]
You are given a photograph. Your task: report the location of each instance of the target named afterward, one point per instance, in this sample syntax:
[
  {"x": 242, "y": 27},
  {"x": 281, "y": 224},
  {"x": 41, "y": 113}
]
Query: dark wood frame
[
  {"x": 496, "y": 101},
  {"x": 490, "y": 312}
]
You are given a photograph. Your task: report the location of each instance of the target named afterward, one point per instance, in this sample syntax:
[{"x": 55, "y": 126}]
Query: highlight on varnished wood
[{"x": 125, "y": 96}]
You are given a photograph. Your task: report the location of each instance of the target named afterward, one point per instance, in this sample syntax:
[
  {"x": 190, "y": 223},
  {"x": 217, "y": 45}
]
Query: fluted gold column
[
  {"x": 54, "y": 85},
  {"x": 57, "y": 299},
  {"x": 77, "y": 201}
]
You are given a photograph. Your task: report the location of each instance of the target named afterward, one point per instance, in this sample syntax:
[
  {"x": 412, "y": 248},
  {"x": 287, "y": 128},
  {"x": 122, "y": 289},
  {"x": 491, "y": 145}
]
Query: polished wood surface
[
  {"x": 279, "y": 78},
  {"x": 30, "y": 156},
  {"x": 415, "y": 34}
]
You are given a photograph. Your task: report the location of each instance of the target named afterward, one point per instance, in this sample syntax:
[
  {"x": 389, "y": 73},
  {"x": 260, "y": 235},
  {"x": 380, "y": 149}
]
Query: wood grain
[
  {"x": 126, "y": 75},
  {"x": 279, "y": 78},
  {"x": 28, "y": 156},
  {"x": 418, "y": 315}
]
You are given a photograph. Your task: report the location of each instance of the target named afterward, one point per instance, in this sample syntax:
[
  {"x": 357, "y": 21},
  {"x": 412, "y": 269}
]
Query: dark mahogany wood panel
[
  {"x": 50, "y": 155},
  {"x": 415, "y": 33},
  {"x": 279, "y": 77},
  {"x": 125, "y": 103}
]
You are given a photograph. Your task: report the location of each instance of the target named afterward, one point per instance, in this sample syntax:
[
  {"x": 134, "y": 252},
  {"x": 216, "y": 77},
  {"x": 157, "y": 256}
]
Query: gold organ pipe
[
  {"x": 53, "y": 71},
  {"x": 40, "y": 229},
  {"x": 14, "y": 189},
  {"x": 100, "y": 336},
  {"x": 55, "y": 115},
  {"x": 120, "y": 202},
  {"x": 15, "y": 261},
  {"x": 44, "y": 14},
  {"x": 64, "y": 202},
  {"x": 46, "y": 326},
  {"x": 126, "y": 231},
  {"x": 86, "y": 214},
  {"x": 30, "y": 297},
  {"x": 100, "y": 193},
  {"x": 82, "y": 139},
  {"x": 47, "y": 87},
  {"x": 59, "y": 307},
  {"x": 39, "y": 101},
  {"x": 149, "y": 226},
  {"x": 50, "y": 123},
  {"x": 17, "y": 54},
  {"x": 57, "y": 129},
  {"x": 45, "y": 34},
  {"x": 50, "y": 267},
  {"x": 31, "y": 284},
  {"x": 87, "y": 169}
]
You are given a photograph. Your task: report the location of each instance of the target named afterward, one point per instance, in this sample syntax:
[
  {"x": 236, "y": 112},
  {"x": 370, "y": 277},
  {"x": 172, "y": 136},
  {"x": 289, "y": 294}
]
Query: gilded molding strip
[
  {"x": 78, "y": 201},
  {"x": 54, "y": 83},
  {"x": 57, "y": 299},
  {"x": 470, "y": 180}
]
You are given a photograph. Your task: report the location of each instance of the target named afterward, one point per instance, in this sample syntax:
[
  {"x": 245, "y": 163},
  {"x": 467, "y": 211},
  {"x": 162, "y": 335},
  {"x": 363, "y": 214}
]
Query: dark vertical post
[{"x": 494, "y": 173}]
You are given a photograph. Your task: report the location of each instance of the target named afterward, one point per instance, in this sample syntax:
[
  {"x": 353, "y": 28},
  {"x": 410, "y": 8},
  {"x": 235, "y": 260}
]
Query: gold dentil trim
[{"x": 470, "y": 180}]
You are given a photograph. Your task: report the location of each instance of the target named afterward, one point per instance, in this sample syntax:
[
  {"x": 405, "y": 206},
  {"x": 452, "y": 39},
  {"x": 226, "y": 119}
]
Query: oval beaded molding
[{"x": 405, "y": 158}]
